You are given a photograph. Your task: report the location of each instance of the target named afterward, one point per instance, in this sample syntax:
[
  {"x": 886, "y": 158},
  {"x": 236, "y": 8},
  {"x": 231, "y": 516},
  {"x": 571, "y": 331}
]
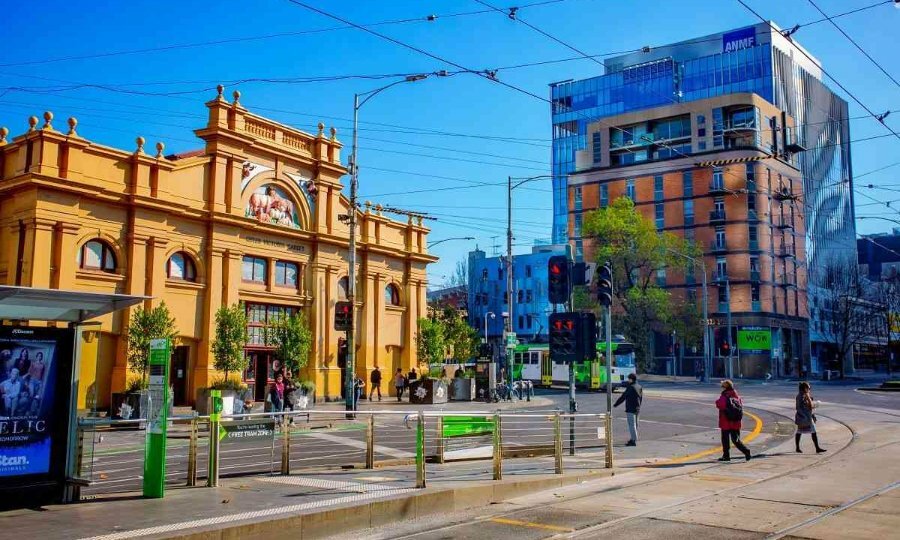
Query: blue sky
[{"x": 393, "y": 170}]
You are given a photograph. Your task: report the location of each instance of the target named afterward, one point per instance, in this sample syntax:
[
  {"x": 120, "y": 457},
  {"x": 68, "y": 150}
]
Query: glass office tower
[{"x": 754, "y": 59}]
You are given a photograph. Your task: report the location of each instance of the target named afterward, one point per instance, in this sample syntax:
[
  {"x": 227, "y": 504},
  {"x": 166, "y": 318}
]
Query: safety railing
[{"x": 200, "y": 451}]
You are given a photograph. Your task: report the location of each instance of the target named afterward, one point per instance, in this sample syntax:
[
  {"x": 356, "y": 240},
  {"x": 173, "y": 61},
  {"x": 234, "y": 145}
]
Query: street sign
[
  {"x": 511, "y": 341},
  {"x": 247, "y": 429},
  {"x": 467, "y": 426},
  {"x": 157, "y": 416}
]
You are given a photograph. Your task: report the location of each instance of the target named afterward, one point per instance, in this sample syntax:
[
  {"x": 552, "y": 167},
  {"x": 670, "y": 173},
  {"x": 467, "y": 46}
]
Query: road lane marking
[
  {"x": 757, "y": 429},
  {"x": 529, "y": 524}
]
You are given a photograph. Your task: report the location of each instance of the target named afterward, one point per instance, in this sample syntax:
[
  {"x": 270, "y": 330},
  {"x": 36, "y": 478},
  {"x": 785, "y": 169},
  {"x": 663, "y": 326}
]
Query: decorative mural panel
[{"x": 270, "y": 204}]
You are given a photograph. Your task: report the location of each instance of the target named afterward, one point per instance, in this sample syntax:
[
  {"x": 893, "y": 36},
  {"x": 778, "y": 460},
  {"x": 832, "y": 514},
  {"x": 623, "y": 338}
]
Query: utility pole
[
  {"x": 730, "y": 371},
  {"x": 509, "y": 277},
  {"x": 350, "y": 397}
]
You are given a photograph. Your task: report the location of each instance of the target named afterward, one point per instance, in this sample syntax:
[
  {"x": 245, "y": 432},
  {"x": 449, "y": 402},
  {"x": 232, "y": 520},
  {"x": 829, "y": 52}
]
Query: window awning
[{"x": 28, "y": 303}]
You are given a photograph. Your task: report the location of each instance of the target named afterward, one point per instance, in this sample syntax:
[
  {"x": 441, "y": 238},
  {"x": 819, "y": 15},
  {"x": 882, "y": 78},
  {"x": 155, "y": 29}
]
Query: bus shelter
[{"x": 45, "y": 337}]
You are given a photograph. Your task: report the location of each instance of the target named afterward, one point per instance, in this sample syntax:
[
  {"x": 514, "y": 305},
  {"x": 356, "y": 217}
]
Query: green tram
[{"x": 532, "y": 362}]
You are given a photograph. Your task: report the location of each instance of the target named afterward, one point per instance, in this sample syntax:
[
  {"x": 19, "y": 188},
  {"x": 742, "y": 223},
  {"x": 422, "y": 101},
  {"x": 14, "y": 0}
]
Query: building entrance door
[
  {"x": 261, "y": 375},
  {"x": 178, "y": 375}
]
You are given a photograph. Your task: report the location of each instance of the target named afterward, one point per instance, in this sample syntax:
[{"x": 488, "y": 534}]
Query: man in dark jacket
[
  {"x": 375, "y": 379},
  {"x": 632, "y": 397}
]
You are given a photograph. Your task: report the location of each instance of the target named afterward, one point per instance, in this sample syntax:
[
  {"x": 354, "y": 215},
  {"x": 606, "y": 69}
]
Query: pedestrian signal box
[
  {"x": 559, "y": 279},
  {"x": 343, "y": 316}
]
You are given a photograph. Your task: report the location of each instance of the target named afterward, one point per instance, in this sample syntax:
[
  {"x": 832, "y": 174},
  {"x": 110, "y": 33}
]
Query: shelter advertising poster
[{"x": 29, "y": 365}]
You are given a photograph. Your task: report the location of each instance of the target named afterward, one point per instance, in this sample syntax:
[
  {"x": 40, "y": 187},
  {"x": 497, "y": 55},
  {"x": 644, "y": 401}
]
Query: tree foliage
[
  {"x": 636, "y": 249},
  {"x": 292, "y": 339},
  {"x": 460, "y": 277},
  {"x": 230, "y": 339},
  {"x": 430, "y": 340},
  {"x": 460, "y": 339},
  {"x": 146, "y": 325},
  {"x": 886, "y": 296}
]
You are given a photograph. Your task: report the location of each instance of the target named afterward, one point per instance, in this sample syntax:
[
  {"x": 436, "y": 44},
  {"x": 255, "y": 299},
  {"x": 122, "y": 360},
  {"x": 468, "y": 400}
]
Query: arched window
[
  {"x": 97, "y": 255},
  {"x": 343, "y": 288},
  {"x": 392, "y": 295},
  {"x": 181, "y": 266}
]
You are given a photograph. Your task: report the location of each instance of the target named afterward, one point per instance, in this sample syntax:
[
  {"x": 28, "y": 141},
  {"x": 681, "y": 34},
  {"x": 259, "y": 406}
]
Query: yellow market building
[{"x": 256, "y": 216}]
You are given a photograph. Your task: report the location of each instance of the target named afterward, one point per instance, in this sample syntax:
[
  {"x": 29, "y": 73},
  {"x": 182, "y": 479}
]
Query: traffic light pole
[
  {"x": 573, "y": 405},
  {"x": 609, "y": 442}
]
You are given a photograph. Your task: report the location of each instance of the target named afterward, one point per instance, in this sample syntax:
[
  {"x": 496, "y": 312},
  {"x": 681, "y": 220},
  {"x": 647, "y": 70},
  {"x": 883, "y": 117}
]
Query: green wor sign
[{"x": 754, "y": 339}]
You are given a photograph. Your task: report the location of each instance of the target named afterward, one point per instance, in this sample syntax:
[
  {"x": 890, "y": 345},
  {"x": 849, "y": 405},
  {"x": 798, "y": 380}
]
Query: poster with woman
[{"x": 270, "y": 204}]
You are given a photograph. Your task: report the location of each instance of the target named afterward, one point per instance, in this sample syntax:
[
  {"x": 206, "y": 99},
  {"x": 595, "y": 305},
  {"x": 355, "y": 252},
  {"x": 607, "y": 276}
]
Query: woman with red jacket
[{"x": 731, "y": 410}]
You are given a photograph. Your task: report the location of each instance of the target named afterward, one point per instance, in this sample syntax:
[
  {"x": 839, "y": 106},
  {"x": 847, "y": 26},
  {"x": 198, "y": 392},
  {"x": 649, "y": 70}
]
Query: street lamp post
[
  {"x": 707, "y": 362},
  {"x": 436, "y": 242},
  {"x": 509, "y": 255},
  {"x": 354, "y": 186},
  {"x": 491, "y": 313}
]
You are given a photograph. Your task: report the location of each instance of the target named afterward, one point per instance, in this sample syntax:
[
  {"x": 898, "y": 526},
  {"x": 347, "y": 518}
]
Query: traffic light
[
  {"x": 485, "y": 351},
  {"x": 343, "y": 316},
  {"x": 588, "y": 333},
  {"x": 605, "y": 285},
  {"x": 565, "y": 336},
  {"x": 559, "y": 279}
]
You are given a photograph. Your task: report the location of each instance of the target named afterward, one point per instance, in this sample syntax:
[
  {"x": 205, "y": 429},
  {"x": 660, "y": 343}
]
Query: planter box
[
  {"x": 428, "y": 391},
  {"x": 202, "y": 403},
  {"x": 462, "y": 389}
]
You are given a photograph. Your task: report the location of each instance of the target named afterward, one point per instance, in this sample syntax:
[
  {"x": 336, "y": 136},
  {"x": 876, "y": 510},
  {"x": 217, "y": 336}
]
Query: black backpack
[{"x": 734, "y": 411}]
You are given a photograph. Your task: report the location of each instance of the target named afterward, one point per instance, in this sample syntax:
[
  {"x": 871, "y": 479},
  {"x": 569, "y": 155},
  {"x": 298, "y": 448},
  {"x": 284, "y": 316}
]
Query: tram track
[{"x": 507, "y": 515}]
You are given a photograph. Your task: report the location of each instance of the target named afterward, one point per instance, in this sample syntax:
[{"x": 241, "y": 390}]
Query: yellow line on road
[
  {"x": 518, "y": 523},
  {"x": 757, "y": 429}
]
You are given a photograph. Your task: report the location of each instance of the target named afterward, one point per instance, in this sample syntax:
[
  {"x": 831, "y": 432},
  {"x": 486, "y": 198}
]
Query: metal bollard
[
  {"x": 192, "y": 454},
  {"x": 557, "y": 444},
  {"x": 285, "y": 446},
  {"x": 609, "y": 442},
  {"x": 440, "y": 439},
  {"x": 498, "y": 448},
  {"x": 370, "y": 442},
  {"x": 420, "y": 451},
  {"x": 212, "y": 477}
]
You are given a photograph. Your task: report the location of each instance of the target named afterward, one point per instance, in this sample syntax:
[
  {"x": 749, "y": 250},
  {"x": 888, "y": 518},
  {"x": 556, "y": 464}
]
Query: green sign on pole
[
  {"x": 157, "y": 420},
  {"x": 465, "y": 426},
  {"x": 754, "y": 338}
]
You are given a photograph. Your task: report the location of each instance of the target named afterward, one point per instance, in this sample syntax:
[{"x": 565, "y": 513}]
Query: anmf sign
[{"x": 739, "y": 39}]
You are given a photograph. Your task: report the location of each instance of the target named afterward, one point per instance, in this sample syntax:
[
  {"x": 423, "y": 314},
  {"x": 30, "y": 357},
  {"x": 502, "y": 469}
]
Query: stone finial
[
  {"x": 409, "y": 220},
  {"x": 73, "y": 122},
  {"x": 368, "y": 207},
  {"x": 419, "y": 220},
  {"x": 32, "y": 121},
  {"x": 321, "y": 127},
  {"x": 333, "y": 133},
  {"x": 48, "y": 117},
  {"x": 219, "y": 91},
  {"x": 237, "y": 97},
  {"x": 378, "y": 209},
  {"x": 159, "y": 150},
  {"x": 3, "y": 133},
  {"x": 140, "y": 145}
]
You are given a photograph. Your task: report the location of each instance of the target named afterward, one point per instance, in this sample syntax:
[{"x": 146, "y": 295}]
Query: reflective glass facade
[{"x": 754, "y": 59}]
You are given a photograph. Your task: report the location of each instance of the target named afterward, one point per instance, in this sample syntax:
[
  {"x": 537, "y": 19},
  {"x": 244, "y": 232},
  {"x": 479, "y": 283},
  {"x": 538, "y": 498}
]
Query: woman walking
[
  {"x": 804, "y": 418},
  {"x": 731, "y": 411}
]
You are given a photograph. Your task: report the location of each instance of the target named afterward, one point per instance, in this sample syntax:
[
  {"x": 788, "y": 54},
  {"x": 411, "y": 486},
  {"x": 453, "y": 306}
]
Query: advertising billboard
[
  {"x": 35, "y": 378},
  {"x": 754, "y": 338}
]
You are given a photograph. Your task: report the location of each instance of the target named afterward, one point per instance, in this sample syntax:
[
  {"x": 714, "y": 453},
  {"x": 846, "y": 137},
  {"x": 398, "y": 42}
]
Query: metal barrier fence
[{"x": 111, "y": 452}]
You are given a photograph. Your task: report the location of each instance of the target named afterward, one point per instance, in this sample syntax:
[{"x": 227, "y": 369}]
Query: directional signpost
[{"x": 157, "y": 420}]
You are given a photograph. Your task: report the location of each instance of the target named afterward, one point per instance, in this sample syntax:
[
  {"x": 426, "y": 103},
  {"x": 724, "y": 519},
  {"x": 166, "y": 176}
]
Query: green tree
[
  {"x": 430, "y": 340},
  {"x": 461, "y": 340},
  {"x": 146, "y": 325},
  {"x": 636, "y": 250},
  {"x": 292, "y": 339},
  {"x": 231, "y": 336}
]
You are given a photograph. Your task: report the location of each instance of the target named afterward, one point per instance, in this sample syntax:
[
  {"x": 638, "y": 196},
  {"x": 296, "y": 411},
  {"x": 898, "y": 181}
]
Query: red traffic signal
[
  {"x": 559, "y": 280},
  {"x": 343, "y": 316}
]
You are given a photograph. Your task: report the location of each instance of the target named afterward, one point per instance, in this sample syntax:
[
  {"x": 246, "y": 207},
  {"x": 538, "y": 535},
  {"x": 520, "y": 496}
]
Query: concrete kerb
[{"x": 390, "y": 510}]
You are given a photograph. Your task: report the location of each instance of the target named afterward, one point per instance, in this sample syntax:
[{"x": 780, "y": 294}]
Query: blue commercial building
[
  {"x": 757, "y": 59},
  {"x": 531, "y": 306}
]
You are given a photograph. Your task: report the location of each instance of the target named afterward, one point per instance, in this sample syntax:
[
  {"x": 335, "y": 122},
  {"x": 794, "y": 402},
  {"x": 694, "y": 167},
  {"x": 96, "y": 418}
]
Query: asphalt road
[{"x": 327, "y": 440}]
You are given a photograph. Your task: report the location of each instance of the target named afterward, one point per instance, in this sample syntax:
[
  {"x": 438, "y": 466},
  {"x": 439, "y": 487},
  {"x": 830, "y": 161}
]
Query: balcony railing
[
  {"x": 720, "y": 246},
  {"x": 717, "y": 216},
  {"x": 718, "y": 187},
  {"x": 720, "y": 277}
]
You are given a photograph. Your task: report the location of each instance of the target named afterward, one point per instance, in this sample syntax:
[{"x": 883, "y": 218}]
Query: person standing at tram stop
[
  {"x": 375, "y": 379},
  {"x": 805, "y": 418},
  {"x": 633, "y": 397},
  {"x": 399, "y": 384},
  {"x": 731, "y": 411}
]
